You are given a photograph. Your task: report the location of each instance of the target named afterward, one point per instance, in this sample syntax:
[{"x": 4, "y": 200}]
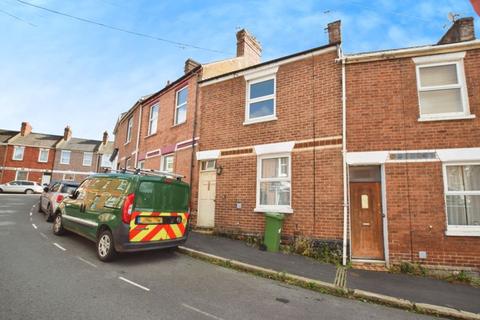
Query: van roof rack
[{"x": 148, "y": 172}]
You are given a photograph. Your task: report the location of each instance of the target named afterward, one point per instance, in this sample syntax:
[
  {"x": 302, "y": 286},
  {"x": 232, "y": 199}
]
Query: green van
[{"x": 124, "y": 212}]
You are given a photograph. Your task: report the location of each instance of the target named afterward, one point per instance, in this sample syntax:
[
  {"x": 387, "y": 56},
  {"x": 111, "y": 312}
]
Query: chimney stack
[
  {"x": 461, "y": 30},
  {"x": 67, "y": 133},
  {"x": 334, "y": 32},
  {"x": 190, "y": 64},
  {"x": 248, "y": 47},
  {"x": 25, "y": 129},
  {"x": 105, "y": 137}
]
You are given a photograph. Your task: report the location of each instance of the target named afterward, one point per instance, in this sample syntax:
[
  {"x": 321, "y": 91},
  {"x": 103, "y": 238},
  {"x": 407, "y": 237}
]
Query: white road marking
[
  {"x": 87, "y": 262},
  {"x": 134, "y": 283},
  {"x": 31, "y": 219},
  {"x": 59, "y": 246},
  {"x": 44, "y": 235},
  {"x": 30, "y": 214},
  {"x": 201, "y": 312},
  {"x": 33, "y": 225},
  {"x": 6, "y": 223}
]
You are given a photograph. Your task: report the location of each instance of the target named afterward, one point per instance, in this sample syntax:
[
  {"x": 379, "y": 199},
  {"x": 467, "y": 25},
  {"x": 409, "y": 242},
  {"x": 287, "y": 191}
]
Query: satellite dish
[{"x": 452, "y": 16}]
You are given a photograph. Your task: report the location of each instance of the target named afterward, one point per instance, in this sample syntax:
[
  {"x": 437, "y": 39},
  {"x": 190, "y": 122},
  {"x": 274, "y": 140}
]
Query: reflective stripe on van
[{"x": 157, "y": 226}]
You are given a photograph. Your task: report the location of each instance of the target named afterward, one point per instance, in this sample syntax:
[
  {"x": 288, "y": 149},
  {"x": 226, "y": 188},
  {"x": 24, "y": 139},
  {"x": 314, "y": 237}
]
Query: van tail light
[
  {"x": 127, "y": 208},
  {"x": 59, "y": 198}
]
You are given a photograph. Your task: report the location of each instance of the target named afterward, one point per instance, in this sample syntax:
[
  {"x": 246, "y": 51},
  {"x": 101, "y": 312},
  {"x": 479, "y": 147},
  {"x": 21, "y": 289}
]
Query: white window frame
[
  {"x": 444, "y": 60},
  {"x": 16, "y": 175},
  {"x": 163, "y": 159},
  {"x": 105, "y": 162},
  {"x": 273, "y": 208},
  {"x": 128, "y": 137},
  {"x": 458, "y": 230},
  {"x": 177, "y": 106},
  {"x": 15, "y": 148},
  {"x": 141, "y": 164},
  {"x": 86, "y": 164},
  {"x": 208, "y": 165},
  {"x": 153, "y": 119},
  {"x": 40, "y": 155},
  {"x": 69, "y": 156},
  {"x": 249, "y": 101}
]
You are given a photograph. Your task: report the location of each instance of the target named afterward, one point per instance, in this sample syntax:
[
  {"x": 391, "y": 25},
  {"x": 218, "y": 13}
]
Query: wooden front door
[
  {"x": 366, "y": 220},
  {"x": 206, "y": 199}
]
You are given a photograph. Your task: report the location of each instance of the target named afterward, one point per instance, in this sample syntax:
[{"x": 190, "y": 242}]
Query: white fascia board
[
  {"x": 208, "y": 155},
  {"x": 439, "y": 58},
  {"x": 459, "y": 154},
  {"x": 281, "y": 147},
  {"x": 370, "y": 157},
  {"x": 255, "y": 74}
]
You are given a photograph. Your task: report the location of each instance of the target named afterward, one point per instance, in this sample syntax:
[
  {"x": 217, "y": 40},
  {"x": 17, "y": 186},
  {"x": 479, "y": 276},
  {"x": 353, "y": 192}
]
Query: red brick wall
[
  {"x": 308, "y": 103},
  {"x": 125, "y": 150},
  {"x": 383, "y": 110},
  {"x": 75, "y": 166},
  {"x": 30, "y": 161},
  {"x": 415, "y": 197}
]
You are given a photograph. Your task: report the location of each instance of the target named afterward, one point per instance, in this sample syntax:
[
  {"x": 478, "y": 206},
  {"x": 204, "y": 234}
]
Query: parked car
[
  {"x": 54, "y": 194},
  {"x": 20, "y": 186},
  {"x": 123, "y": 212}
]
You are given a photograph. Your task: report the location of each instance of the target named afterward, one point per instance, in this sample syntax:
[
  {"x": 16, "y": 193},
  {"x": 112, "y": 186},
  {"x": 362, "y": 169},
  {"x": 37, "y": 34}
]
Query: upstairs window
[
  {"x": 260, "y": 100},
  {"x": 462, "y": 198},
  {"x": 442, "y": 91},
  {"x": 129, "y": 130},
  {"x": 18, "y": 152},
  {"x": 43, "y": 155},
  {"x": 87, "y": 159},
  {"x": 181, "y": 106},
  {"x": 153, "y": 119},
  {"x": 65, "y": 157}
]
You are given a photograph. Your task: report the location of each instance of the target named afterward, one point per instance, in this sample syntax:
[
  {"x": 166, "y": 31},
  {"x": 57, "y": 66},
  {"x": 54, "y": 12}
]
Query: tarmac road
[{"x": 43, "y": 276}]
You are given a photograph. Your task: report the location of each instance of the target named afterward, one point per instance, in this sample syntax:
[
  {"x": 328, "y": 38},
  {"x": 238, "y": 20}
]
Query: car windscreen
[
  {"x": 158, "y": 196},
  {"x": 68, "y": 188}
]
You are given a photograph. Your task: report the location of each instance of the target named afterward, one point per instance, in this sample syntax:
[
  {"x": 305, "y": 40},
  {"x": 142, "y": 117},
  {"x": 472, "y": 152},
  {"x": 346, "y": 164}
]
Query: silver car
[
  {"x": 20, "y": 186},
  {"x": 53, "y": 195}
]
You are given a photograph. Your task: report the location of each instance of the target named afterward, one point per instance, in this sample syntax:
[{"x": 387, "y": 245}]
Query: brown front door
[{"x": 366, "y": 215}]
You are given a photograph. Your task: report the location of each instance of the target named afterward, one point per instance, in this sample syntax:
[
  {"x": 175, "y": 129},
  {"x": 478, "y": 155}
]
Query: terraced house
[{"x": 39, "y": 157}]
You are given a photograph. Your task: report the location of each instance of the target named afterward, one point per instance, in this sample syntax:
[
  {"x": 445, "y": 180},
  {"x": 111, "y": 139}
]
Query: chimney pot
[
  {"x": 334, "y": 32},
  {"x": 67, "y": 133},
  {"x": 25, "y": 129},
  {"x": 248, "y": 47},
  {"x": 105, "y": 137},
  {"x": 461, "y": 30}
]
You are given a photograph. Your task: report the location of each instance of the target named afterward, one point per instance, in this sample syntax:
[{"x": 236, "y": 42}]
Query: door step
[
  {"x": 203, "y": 230},
  {"x": 371, "y": 265}
]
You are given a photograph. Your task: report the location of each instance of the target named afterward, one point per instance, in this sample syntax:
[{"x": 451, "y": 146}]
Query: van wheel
[
  {"x": 105, "y": 246},
  {"x": 58, "y": 229}
]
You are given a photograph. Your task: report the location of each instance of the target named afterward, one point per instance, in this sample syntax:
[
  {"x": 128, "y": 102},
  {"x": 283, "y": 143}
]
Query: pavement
[
  {"x": 413, "y": 288},
  {"x": 43, "y": 276}
]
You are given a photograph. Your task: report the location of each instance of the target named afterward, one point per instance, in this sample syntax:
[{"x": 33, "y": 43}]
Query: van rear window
[{"x": 161, "y": 197}]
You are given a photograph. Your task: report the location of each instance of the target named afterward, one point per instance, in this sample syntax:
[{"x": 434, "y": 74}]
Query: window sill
[
  {"x": 150, "y": 135},
  {"x": 260, "y": 120},
  {"x": 279, "y": 210},
  {"x": 446, "y": 118},
  {"x": 179, "y": 124},
  {"x": 464, "y": 232},
  {"x": 17, "y": 159},
  {"x": 127, "y": 143}
]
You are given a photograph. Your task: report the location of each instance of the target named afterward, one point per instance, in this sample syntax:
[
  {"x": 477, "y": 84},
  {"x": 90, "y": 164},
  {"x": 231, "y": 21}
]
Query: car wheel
[
  {"x": 58, "y": 229},
  {"x": 49, "y": 214},
  {"x": 40, "y": 206},
  {"x": 105, "y": 247},
  {"x": 28, "y": 191},
  {"x": 1, "y": 190}
]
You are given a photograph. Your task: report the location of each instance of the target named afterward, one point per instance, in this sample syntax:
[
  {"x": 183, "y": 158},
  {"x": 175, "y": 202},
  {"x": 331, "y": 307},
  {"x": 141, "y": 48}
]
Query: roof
[
  {"x": 36, "y": 139},
  {"x": 266, "y": 63},
  {"x": 78, "y": 144},
  {"x": 6, "y": 134}
]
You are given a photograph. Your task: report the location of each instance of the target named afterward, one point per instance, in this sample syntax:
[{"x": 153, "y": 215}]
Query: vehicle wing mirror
[
  {"x": 45, "y": 189},
  {"x": 73, "y": 194}
]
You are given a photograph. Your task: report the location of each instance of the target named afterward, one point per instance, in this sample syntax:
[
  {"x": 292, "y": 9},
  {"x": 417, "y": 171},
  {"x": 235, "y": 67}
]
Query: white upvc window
[
  {"x": 43, "y": 155},
  {"x": 181, "y": 105},
  {"x": 274, "y": 192},
  {"x": 128, "y": 137},
  {"x": 260, "y": 100},
  {"x": 18, "y": 152},
  {"x": 442, "y": 89},
  {"x": 87, "y": 159},
  {"x": 65, "y": 157},
  {"x": 106, "y": 163},
  {"x": 462, "y": 198},
  {"x": 21, "y": 175},
  {"x": 153, "y": 119},
  {"x": 167, "y": 163},
  {"x": 141, "y": 164}
]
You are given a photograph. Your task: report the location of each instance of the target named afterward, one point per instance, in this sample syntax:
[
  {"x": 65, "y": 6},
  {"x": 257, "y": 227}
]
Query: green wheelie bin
[{"x": 273, "y": 230}]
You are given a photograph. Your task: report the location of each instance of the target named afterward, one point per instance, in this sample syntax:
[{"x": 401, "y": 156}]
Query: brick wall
[
  {"x": 126, "y": 150},
  {"x": 76, "y": 167},
  {"x": 29, "y": 162}
]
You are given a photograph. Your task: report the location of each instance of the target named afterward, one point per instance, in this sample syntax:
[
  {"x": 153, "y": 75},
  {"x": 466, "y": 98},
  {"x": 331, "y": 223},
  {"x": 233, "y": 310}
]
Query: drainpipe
[
  {"x": 194, "y": 129},
  {"x": 138, "y": 135},
  {"x": 344, "y": 156}
]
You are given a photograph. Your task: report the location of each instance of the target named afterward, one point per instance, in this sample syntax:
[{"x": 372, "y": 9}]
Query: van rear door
[{"x": 160, "y": 210}]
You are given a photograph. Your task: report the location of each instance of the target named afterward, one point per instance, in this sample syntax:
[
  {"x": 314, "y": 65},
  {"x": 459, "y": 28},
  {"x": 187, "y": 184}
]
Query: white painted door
[
  {"x": 206, "y": 199},
  {"x": 46, "y": 179}
]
